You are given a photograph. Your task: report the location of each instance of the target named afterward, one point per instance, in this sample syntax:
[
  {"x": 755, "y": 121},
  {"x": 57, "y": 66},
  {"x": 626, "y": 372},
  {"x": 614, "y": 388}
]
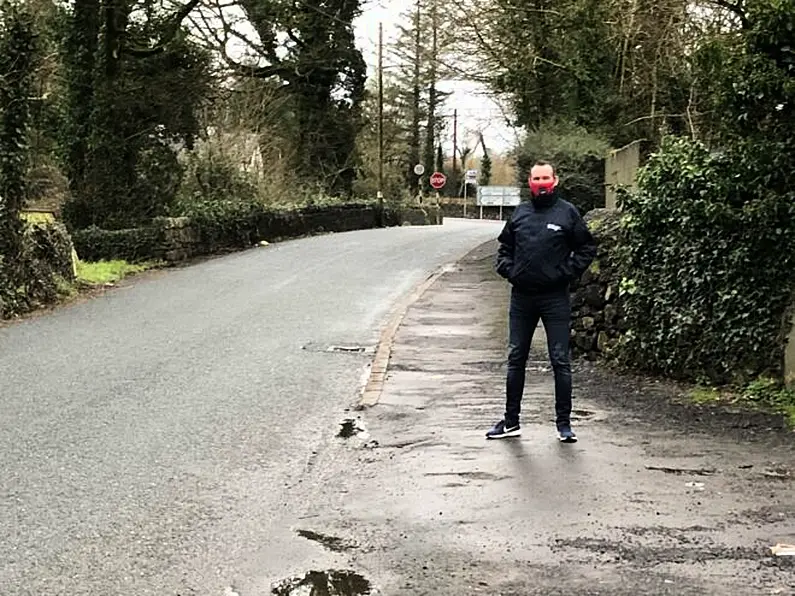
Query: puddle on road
[
  {"x": 486, "y": 365},
  {"x": 683, "y": 471},
  {"x": 350, "y": 427},
  {"x": 333, "y": 543},
  {"x": 471, "y": 475},
  {"x": 777, "y": 473},
  {"x": 324, "y": 583},
  {"x": 347, "y": 429},
  {"x": 353, "y": 349},
  {"x": 347, "y": 349}
]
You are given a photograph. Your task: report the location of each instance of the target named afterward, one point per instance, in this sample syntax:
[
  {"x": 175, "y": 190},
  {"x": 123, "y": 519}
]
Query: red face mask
[{"x": 542, "y": 187}]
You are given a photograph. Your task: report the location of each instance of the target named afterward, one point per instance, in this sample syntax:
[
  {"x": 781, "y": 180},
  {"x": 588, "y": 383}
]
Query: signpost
[
  {"x": 498, "y": 196},
  {"x": 470, "y": 178},
  {"x": 419, "y": 170},
  {"x": 438, "y": 180}
]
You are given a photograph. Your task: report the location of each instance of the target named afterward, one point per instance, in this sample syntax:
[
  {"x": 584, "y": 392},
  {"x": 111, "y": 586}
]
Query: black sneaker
[
  {"x": 503, "y": 431},
  {"x": 565, "y": 434}
]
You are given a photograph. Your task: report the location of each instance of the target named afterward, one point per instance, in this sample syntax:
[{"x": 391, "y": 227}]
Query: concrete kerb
[
  {"x": 378, "y": 369},
  {"x": 374, "y": 385}
]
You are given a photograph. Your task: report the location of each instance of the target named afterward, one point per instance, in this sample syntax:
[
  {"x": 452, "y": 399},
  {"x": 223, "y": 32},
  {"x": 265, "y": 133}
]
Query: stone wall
[
  {"x": 597, "y": 320},
  {"x": 182, "y": 238}
]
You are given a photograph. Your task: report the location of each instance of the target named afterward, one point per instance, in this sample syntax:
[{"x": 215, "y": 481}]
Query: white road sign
[{"x": 499, "y": 196}]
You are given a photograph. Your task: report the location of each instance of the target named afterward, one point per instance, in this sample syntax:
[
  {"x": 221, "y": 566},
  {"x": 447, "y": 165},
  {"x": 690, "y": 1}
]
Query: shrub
[
  {"x": 212, "y": 175},
  {"x": 707, "y": 258},
  {"x": 41, "y": 275},
  {"x": 133, "y": 245}
]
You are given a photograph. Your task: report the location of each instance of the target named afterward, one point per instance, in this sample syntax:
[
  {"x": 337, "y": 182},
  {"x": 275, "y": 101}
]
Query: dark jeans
[{"x": 554, "y": 311}]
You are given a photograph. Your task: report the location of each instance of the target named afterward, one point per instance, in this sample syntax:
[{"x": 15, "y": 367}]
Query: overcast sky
[{"x": 476, "y": 110}]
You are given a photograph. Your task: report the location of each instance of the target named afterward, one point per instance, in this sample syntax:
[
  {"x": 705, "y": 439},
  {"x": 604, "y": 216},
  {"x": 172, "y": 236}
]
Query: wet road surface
[
  {"x": 656, "y": 498},
  {"x": 160, "y": 439}
]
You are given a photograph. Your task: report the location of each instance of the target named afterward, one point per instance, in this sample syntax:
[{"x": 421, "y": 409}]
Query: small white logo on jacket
[{"x": 554, "y": 227}]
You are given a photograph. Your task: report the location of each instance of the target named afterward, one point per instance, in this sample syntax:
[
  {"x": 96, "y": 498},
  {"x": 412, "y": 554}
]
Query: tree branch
[
  {"x": 220, "y": 39},
  {"x": 294, "y": 38},
  {"x": 688, "y": 114},
  {"x": 172, "y": 28},
  {"x": 482, "y": 43},
  {"x": 291, "y": 34},
  {"x": 737, "y": 9}
]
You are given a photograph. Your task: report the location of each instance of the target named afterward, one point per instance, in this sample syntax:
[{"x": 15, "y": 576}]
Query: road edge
[{"x": 376, "y": 377}]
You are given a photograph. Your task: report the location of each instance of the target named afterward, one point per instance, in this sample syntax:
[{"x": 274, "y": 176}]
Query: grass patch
[
  {"x": 108, "y": 272},
  {"x": 770, "y": 393},
  {"x": 763, "y": 394},
  {"x": 705, "y": 395}
]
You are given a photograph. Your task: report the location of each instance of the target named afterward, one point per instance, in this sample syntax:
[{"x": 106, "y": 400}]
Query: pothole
[
  {"x": 350, "y": 427},
  {"x": 683, "y": 471},
  {"x": 332, "y": 582},
  {"x": 333, "y": 543},
  {"x": 582, "y": 414},
  {"x": 471, "y": 475},
  {"x": 342, "y": 348},
  {"x": 485, "y": 365},
  {"x": 778, "y": 473},
  {"x": 347, "y": 349}
]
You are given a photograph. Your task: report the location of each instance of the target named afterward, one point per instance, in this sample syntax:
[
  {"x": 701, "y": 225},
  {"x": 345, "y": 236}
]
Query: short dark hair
[{"x": 542, "y": 162}]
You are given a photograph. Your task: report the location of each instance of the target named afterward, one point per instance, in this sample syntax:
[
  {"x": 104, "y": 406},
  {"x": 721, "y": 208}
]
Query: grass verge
[
  {"x": 108, "y": 272},
  {"x": 763, "y": 394}
]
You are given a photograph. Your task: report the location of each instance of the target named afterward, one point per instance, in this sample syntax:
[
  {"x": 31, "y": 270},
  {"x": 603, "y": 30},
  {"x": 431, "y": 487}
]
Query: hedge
[
  {"x": 41, "y": 274},
  {"x": 707, "y": 258}
]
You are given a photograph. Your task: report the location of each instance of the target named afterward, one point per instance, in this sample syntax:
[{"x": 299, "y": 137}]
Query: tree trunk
[{"x": 80, "y": 57}]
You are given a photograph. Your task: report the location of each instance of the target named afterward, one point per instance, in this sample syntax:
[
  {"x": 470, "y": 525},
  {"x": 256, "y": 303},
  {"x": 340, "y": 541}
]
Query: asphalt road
[{"x": 154, "y": 440}]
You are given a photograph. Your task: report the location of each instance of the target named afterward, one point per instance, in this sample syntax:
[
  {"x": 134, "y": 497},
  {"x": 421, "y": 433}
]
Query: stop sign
[{"x": 437, "y": 180}]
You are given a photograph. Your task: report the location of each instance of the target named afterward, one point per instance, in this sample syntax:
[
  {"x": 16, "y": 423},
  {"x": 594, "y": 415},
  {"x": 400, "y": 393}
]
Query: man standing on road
[{"x": 543, "y": 247}]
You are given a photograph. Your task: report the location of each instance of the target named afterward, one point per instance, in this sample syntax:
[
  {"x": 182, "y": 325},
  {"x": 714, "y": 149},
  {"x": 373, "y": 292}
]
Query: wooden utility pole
[
  {"x": 454, "y": 178},
  {"x": 416, "y": 185},
  {"x": 430, "y": 133},
  {"x": 381, "y": 117}
]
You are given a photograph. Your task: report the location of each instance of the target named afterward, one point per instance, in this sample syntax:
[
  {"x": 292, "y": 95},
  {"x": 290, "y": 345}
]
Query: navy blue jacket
[{"x": 544, "y": 246}]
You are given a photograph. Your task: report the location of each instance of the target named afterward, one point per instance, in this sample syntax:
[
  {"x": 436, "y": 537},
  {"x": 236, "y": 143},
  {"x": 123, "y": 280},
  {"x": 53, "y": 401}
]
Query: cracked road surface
[{"x": 160, "y": 439}]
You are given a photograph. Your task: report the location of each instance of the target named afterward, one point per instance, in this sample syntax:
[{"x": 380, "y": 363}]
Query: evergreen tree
[
  {"x": 18, "y": 55},
  {"x": 485, "y": 164}
]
